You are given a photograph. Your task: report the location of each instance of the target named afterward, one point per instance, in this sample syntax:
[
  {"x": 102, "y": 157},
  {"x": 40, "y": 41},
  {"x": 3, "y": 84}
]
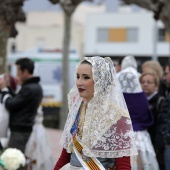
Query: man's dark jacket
[
  {"x": 23, "y": 106},
  {"x": 154, "y": 105},
  {"x": 163, "y": 123}
]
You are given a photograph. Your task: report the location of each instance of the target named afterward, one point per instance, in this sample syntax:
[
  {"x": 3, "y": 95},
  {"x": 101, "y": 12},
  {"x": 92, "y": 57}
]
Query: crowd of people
[{"x": 118, "y": 118}]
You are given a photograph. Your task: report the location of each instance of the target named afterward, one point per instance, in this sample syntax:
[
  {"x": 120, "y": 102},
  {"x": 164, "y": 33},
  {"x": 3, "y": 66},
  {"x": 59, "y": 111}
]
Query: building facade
[
  {"x": 121, "y": 33},
  {"x": 44, "y": 30}
]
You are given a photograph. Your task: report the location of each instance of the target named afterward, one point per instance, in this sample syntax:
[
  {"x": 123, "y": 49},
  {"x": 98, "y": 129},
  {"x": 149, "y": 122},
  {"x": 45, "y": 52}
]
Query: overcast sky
[
  {"x": 43, "y": 5},
  {"x": 34, "y": 5}
]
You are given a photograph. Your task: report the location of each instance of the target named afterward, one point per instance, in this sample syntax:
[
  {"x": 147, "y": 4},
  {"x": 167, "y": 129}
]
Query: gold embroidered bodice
[{"x": 81, "y": 119}]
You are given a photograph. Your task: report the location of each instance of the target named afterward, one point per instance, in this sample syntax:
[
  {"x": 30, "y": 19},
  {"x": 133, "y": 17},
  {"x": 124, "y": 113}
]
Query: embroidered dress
[
  {"x": 70, "y": 167},
  {"x": 77, "y": 128},
  {"x": 105, "y": 131}
]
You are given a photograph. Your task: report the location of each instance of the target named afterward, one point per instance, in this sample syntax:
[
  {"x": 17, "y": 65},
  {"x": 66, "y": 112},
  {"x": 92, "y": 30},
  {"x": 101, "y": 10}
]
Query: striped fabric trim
[{"x": 87, "y": 162}]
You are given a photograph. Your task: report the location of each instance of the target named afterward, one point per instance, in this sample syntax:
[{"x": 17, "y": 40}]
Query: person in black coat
[
  {"x": 163, "y": 123},
  {"x": 23, "y": 106},
  {"x": 150, "y": 83}
]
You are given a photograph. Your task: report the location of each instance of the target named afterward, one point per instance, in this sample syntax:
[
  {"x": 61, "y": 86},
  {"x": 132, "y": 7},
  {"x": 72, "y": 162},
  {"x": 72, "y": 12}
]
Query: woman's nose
[
  {"x": 145, "y": 84},
  {"x": 79, "y": 81}
]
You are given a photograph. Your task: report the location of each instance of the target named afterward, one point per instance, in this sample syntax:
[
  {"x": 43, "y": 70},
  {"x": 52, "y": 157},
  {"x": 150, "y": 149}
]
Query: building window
[
  {"x": 132, "y": 34},
  {"x": 102, "y": 35},
  {"x": 167, "y": 36},
  {"x": 117, "y": 35},
  {"x": 163, "y": 35},
  {"x": 40, "y": 43},
  {"x": 13, "y": 48}
]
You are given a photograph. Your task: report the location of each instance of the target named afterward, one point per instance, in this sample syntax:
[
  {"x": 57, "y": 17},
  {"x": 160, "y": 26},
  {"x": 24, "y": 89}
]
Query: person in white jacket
[{"x": 4, "y": 122}]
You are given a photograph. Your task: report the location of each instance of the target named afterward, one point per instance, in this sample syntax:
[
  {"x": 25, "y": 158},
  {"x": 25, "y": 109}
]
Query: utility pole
[{"x": 155, "y": 41}]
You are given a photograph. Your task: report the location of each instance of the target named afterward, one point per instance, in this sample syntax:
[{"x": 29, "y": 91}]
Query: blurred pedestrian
[
  {"x": 38, "y": 148},
  {"x": 4, "y": 114},
  {"x": 153, "y": 67},
  {"x": 165, "y": 90},
  {"x": 98, "y": 132},
  {"x": 163, "y": 123},
  {"x": 150, "y": 83},
  {"x": 23, "y": 106},
  {"x": 140, "y": 114},
  {"x": 118, "y": 65},
  {"x": 4, "y": 119}
]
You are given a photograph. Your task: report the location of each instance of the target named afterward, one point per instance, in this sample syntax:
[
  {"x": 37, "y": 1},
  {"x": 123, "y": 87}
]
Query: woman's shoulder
[{"x": 118, "y": 110}]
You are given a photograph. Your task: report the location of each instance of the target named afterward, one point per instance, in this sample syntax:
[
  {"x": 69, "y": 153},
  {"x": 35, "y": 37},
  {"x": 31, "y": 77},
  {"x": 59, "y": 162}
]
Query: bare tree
[
  {"x": 68, "y": 7},
  {"x": 161, "y": 9},
  {"x": 10, "y": 13}
]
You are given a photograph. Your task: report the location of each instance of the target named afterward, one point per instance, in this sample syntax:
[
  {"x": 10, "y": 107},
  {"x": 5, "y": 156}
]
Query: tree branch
[
  {"x": 160, "y": 8},
  {"x": 54, "y": 1},
  {"x": 11, "y": 12},
  {"x": 68, "y": 6}
]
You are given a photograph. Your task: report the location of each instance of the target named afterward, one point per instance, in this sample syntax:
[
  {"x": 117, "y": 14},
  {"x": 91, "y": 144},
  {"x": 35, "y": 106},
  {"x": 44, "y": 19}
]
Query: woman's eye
[
  {"x": 77, "y": 77},
  {"x": 86, "y": 77}
]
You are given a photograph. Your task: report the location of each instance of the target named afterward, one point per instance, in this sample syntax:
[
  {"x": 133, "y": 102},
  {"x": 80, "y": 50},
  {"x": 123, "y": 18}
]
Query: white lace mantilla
[
  {"x": 129, "y": 80},
  {"x": 107, "y": 131}
]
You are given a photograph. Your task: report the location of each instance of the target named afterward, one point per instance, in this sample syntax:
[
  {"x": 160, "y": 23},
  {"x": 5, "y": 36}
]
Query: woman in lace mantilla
[{"x": 98, "y": 132}]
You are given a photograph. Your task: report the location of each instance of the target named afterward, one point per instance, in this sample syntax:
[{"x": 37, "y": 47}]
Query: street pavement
[{"x": 54, "y": 136}]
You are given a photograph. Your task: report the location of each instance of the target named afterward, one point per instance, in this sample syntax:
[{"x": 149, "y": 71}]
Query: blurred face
[
  {"x": 117, "y": 68},
  {"x": 167, "y": 75},
  {"x": 2, "y": 81},
  {"x": 22, "y": 75},
  {"x": 18, "y": 81},
  {"x": 148, "y": 84},
  {"x": 85, "y": 83}
]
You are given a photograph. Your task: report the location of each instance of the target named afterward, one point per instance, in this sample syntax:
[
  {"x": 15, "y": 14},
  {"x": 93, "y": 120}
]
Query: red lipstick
[{"x": 80, "y": 90}]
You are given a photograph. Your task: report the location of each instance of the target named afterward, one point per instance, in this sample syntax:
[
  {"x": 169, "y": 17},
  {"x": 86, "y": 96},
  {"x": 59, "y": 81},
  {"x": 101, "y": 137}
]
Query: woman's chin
[{"x": 81, "y": 95}]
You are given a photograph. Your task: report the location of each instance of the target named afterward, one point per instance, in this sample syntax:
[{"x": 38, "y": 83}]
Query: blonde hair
[
  {"x": 156, "y": 78},
  {"x": 153, "y": 67}
]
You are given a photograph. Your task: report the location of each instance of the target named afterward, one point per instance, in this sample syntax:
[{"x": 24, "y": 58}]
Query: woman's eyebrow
[{"x": 85, "y": 74}]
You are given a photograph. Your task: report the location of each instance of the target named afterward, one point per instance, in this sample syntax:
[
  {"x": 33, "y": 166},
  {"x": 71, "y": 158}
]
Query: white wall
[
  {"x": 46, "y": 29},
  {"x": 49, "y": 26}
]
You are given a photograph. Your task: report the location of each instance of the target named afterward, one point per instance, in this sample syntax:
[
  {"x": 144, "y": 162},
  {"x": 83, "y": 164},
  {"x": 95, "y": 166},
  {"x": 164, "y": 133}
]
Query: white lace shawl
[
  {"x": 107, "y": 131},
  {"x": 129, "y": 80},
  {"x": 128, "y": 61}
]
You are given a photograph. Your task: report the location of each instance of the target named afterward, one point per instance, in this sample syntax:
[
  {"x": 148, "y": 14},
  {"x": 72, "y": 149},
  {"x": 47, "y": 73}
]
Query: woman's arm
[
  {"x": 123, "y": 163},
  {"x": 63, "y": 160}
]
